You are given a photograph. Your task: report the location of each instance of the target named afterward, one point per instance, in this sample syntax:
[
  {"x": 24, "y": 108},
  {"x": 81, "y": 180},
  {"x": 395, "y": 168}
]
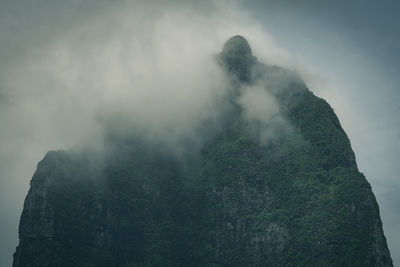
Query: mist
[
  {"x": 146, "y": 66},
  {"x": 72, "y": 73}
]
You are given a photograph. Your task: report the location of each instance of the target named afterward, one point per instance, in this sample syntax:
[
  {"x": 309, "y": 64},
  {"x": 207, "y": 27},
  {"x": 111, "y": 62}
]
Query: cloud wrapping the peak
[
  {"x": 71, "y": 70},
  {"x": 153, "y": 64},
  {"x": 262, "y": 110}
]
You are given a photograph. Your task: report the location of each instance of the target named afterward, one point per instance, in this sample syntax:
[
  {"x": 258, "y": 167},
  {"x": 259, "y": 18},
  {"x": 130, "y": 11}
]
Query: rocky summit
[
  {"x": 273, "y": 192},
  {"x": 238, "y": 58}
]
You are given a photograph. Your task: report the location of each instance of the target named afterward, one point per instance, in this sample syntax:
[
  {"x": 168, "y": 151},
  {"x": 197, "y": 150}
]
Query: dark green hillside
[{"x": 296, "y": 200}]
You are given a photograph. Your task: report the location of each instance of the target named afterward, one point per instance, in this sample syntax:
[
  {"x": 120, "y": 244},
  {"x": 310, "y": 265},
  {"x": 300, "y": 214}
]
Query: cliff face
[{"x": 296, "y": 199}]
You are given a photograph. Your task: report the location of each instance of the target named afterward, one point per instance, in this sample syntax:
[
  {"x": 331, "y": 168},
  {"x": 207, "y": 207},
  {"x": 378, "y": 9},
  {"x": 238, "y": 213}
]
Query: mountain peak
[
  {"x": 237, "y": 56},
  {"x": 237, "y": 46},
  {"x": 233, "y": 201}
]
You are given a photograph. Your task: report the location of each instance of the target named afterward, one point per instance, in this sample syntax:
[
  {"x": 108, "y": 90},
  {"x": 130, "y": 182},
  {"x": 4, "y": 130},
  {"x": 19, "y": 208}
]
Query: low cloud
[
  {"x": 149, "y": 69},
  {"x": 263, "y": 112},
  {"x": 69, "y": 77}
]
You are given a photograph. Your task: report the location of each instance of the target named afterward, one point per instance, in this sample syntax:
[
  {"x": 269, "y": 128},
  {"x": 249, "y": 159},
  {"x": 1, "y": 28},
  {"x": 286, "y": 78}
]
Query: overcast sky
[{"x": 348, "y": 52}]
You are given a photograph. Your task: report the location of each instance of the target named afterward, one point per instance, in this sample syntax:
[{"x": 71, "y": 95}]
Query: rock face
[{"x": 296, "y": 200}]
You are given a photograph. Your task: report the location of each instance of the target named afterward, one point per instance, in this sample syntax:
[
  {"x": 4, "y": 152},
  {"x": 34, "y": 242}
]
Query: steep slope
[{"x": 293, "y": 197}]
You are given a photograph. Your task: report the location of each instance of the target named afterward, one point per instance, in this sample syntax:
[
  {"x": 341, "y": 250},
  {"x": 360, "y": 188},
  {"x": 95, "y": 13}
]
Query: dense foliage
[{"x": 297, "y": 200}]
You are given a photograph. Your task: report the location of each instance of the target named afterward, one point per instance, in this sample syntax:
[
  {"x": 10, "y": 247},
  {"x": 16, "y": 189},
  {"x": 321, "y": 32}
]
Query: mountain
[{"x": 268, "y": 187}]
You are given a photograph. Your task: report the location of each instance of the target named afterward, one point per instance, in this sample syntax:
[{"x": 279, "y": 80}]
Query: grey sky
[{"x": 348, "y": 52}]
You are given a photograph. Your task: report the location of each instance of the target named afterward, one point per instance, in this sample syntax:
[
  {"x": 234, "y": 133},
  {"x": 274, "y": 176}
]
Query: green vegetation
[{"x": 298, "y": 200}]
